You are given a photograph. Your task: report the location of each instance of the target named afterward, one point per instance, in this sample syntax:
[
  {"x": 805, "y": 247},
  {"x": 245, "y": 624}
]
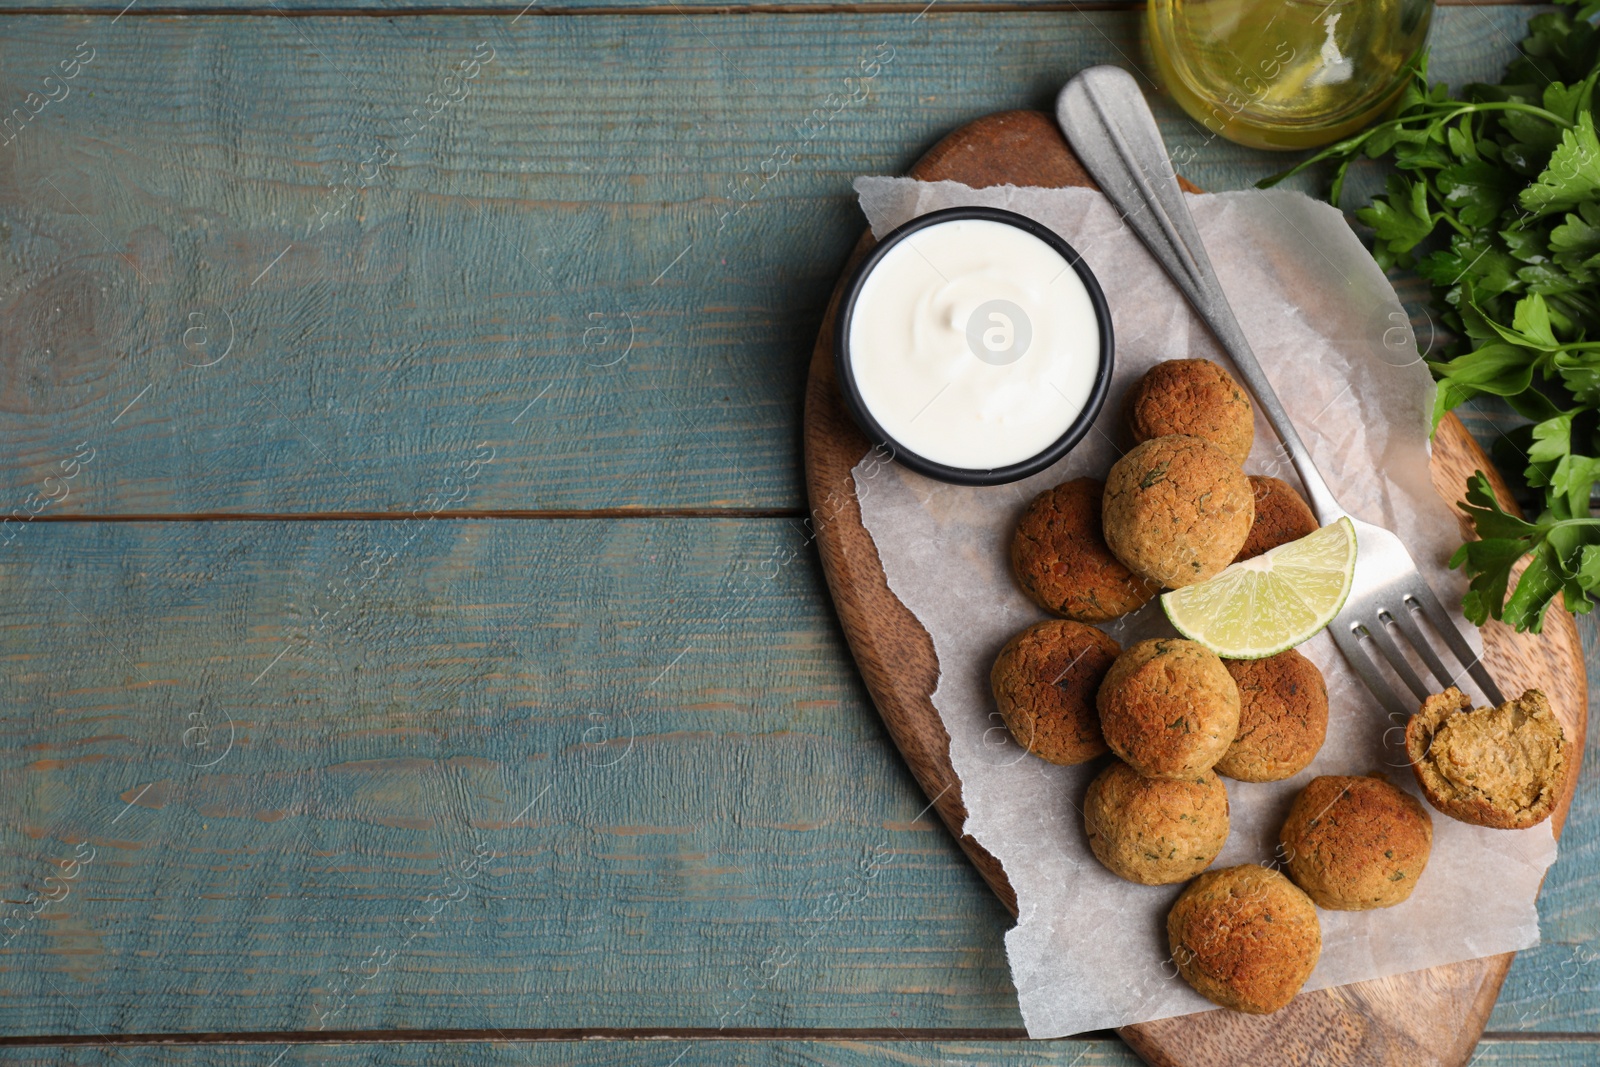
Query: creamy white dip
[{"x": 974, "y": 344}]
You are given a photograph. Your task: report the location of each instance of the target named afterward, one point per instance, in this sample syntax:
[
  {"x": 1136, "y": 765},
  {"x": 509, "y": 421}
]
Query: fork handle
[{"x": 1109, "y": 125}]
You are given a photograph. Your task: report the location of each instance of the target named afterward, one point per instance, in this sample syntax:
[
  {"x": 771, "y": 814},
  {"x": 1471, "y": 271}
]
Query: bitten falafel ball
[
  {"x": 1245, "y": 937},
  {"x": 1155, "y": 831},
  {"x": 1500, "y": 767},
  {"x": 1356, "y": 843},
  {"x": 1177, "y": 510},
  {"x": 1283, "y": 717},
  {"x": 1169, "y": 708},
  {"x": 1194, "y": 397},
  {"x": 1045, "y": 681},
  {"x": 1282, "y": 515},
  {"x": 1060, "y": 558}
]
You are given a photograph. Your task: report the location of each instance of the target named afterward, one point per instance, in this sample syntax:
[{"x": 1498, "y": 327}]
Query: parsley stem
[
  {"x": 1451, "y": 219},
  {"x": 1549, "y": 527},
  {"x": 1511, "y": 105},
  {"x": 1349, "y": 145}
]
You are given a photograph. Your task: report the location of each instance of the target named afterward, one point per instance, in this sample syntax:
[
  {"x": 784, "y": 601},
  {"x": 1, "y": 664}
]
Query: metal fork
[{"x": 1109, "y": 125}]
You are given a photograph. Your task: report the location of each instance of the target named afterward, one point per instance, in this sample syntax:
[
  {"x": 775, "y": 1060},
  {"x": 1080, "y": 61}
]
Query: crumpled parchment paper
[{"x": 1090, "y": 950}]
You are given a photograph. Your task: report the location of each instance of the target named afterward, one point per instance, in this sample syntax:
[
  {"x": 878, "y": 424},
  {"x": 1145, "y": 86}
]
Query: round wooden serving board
[{"x": 1425, "y": 1017}]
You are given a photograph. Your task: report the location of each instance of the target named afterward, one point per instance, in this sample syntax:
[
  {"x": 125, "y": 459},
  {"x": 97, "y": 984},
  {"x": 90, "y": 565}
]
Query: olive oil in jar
[{"x": 1285, "y": 73}]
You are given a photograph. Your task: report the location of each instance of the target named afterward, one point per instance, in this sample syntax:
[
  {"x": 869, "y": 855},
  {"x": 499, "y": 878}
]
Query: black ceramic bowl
[{"x": 942, "y": 471}]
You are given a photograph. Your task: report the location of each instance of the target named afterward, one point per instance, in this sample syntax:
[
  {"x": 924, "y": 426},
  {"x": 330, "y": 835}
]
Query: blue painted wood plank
[
  {"x": 533, "y": 774},
  {"x": 1492, "y": 1052},
  {"x": 246, "y": 264},
  {"x": 1105, "y": 1052}
]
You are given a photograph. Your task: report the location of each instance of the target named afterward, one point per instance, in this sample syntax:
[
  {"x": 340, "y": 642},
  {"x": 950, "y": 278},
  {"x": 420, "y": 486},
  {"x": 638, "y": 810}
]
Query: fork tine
[
  {"x": 1347, "y": 635},
  {"x": 1378, "y": 630},
  {"x": 1407, "y": 623},
  {"x": 1423, "y": 596}
]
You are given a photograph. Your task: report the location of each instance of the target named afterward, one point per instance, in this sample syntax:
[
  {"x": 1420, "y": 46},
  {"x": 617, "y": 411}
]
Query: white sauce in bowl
[{"x": 974, "y": 344}]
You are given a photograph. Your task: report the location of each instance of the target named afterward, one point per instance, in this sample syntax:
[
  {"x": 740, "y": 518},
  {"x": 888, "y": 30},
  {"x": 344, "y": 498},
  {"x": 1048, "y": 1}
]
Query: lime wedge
[{"x": 1262, "y": 606}]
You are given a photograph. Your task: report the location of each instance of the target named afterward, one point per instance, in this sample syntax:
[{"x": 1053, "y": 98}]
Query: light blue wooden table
[{"x": 426, "y": 651}]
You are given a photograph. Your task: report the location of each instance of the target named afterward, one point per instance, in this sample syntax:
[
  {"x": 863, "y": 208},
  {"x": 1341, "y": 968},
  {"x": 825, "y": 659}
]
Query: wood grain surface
[
  {"x": 594, "y": 261},
  {"x": 1430, "y": 1016},
  {"x": 694, "y": 816},
  {"x": 669, "y": 1052}
]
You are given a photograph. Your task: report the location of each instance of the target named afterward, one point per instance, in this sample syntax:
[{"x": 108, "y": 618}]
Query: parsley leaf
[
  {"x": 1402, "y": 220},
  {"x": 1573, "y": 174},
  {"x": 1565, "y": 560}
]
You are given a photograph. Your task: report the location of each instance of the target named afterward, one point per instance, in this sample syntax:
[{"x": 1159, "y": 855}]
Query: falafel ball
[
  {"x": 1356, "y": 843},
  {"x": 1155, "y": 831},
  {"x": 1194, "y": 397},
  {"x": 1283, "y": 717},
  {"x": 1244, "y": 937},
  {"x": 1044, "y": 683},
  {"x": 1177, "y": 510},
  {"x": 1282, "y": 515},
  {"x": 1499, "y": 767},
  {"x": 1169, "y": 708},
  {"x": 1060, "y": 558}
]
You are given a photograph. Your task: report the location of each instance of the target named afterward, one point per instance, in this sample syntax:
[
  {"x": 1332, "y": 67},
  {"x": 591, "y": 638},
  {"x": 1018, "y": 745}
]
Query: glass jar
[{"x": 1286, "y": 74}]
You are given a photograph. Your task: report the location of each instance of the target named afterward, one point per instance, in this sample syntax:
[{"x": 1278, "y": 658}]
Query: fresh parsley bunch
[{"x": 1494, "y": 197}]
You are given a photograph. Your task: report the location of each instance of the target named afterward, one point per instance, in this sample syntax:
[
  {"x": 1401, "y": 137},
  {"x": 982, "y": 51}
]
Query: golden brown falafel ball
[
  {"x": 1045, "y": 681},
  {"x": 1169, "y": 708},
  {"x": 1060, "y": 558},
  {"x": 1155, "y": 831},
  {"x": 1500, "y": 767},
  {"x": 1283, "y": 717},
  {"x": 1194, "y": 397},
  {"x": 1356, "y": 843},
  {"x": 1177, "y": 510},
  {"x": 1282, "y": 515},
  {"x": 1245, "y": 937}
]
